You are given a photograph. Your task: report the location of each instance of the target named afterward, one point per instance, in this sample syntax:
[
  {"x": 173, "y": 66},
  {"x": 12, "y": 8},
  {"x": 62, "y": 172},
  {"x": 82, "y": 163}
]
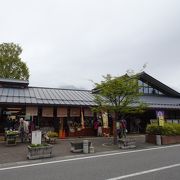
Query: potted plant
[
  {"x": 10, "y": 137},
  {"x": 79, "y": 128},
  {"x": 52, "y": 134},
  {"x": 72, "y": 129},
  {"x": 51, "y": 137}
]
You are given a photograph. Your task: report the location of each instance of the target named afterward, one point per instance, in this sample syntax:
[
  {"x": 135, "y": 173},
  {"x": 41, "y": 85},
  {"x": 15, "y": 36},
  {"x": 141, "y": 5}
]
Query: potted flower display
[
  {"x": 51, "y": 137},
  {"x": 72, "y": 129},
  {"x": 10, "y": 137},
  {"x": 79, "y": 128}
]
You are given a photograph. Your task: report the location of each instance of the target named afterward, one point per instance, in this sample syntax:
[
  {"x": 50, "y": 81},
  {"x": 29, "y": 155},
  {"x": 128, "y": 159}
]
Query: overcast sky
[{"x": 71, "y": 42}]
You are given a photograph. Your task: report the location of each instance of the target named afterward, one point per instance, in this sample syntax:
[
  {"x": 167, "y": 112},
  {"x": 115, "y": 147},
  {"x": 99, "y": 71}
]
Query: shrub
[
  {"x": 177, "y": 128},
  {"x": 52, "y": 134},
  {"x": 167, "y": 129},
  {"x": 38, "y": 145},
  {"x": 9, "y": 132}
]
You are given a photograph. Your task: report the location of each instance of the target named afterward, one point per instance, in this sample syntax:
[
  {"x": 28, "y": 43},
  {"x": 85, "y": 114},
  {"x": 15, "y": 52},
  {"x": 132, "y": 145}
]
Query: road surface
[{"x": 161, "y": 163}]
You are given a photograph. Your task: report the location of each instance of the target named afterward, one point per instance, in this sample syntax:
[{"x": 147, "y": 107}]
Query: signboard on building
[
  {"x": 62, "y": 112},
  {"x": 105, "y": 119},
  {"x": 75, "y": 112},
  {"x": 47, "y": 112},
  {"x": 32, "y": 111}
]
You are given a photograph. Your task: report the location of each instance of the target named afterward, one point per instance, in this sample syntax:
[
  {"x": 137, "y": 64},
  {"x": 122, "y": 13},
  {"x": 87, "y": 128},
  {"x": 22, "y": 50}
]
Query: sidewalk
[{"x": 10, "y": 154}]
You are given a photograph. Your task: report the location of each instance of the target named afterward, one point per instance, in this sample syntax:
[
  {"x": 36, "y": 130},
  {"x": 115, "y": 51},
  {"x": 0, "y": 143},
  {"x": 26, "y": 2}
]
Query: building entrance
[{"x": 9, "y": 117}]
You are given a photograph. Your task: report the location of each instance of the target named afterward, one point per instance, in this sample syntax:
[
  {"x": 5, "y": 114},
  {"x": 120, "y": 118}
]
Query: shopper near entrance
[
  {"x": 23, "y": 129},
  {"x": 96, "y": 127},
  {"x": 99, "y": 128}
]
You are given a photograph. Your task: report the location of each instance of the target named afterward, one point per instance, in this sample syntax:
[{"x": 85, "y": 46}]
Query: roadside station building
[{"x": 69, "y": 110}]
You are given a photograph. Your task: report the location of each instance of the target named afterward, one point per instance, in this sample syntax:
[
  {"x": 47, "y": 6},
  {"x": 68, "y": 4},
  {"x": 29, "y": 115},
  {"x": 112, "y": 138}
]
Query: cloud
[{"x": 73, "y": 42}]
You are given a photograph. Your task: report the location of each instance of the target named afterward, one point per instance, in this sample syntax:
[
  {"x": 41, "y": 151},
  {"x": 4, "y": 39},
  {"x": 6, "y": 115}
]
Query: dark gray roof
[
  {"x": 13, "y": 81},
  {"x": 59, "y": 97},
  {"x": 158, "y": 85},
  {"x": 161, "y": 102},
  {"x": 46, "y": 96}
]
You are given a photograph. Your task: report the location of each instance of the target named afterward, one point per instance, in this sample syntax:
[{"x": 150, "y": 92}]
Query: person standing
[
  {"x": 21, "y": 129},
  {"x": 31, "y": 126},
  {"x": 99, "y": 129},
  {"x": 118, "y": 126}
]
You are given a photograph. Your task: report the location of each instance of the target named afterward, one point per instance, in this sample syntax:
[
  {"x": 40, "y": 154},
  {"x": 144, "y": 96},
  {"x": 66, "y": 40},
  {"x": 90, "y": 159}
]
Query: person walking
[
  {"x": 119, "y": 134},
  {"x": 123, "y": 128},
  {"x": 21, "y": 129}
]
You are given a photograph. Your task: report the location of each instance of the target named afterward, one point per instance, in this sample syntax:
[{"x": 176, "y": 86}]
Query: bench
[
  {"x": 78, "y": 146},
  {"x": 127, "y": 143}
]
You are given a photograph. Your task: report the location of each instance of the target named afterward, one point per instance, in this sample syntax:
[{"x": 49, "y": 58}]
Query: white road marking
[
  {"x": 87, "y": 157},
  {"x": 144, "y": 172}
]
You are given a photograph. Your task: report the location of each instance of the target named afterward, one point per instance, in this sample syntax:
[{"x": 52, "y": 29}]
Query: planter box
[
  {"x": 168, "y": 140},
  {"x": 39, "y": 152},
  {"x": 164, "y": 139},
  {"x": 177, "y": 139},
  {"x": 150, "y": 138}
]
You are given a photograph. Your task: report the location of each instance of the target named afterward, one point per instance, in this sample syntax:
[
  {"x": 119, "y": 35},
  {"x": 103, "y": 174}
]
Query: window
[{"x": 147, "y": 89}]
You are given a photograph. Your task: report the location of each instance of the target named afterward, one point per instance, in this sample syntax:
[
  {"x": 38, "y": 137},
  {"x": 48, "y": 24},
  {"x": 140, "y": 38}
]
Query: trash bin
[{"x": 86, "y": 147}]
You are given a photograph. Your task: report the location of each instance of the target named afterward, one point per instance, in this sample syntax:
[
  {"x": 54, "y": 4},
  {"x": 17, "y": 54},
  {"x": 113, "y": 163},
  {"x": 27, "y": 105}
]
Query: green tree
[
  {"x": 11, "y": 65},
  {"x": 118, "y": 95}
]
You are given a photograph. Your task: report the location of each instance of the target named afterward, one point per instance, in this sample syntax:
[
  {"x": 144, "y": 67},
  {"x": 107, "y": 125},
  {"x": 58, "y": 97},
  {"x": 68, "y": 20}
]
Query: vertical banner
[
  {"x": 105, "y": 119},
  {"x": 160, "y": 117},
  {"x": 82, "y": 119}
]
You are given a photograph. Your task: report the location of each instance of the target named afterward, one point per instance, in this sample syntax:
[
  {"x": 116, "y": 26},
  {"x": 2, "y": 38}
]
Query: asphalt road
[{"x": 161, "y": 163}]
